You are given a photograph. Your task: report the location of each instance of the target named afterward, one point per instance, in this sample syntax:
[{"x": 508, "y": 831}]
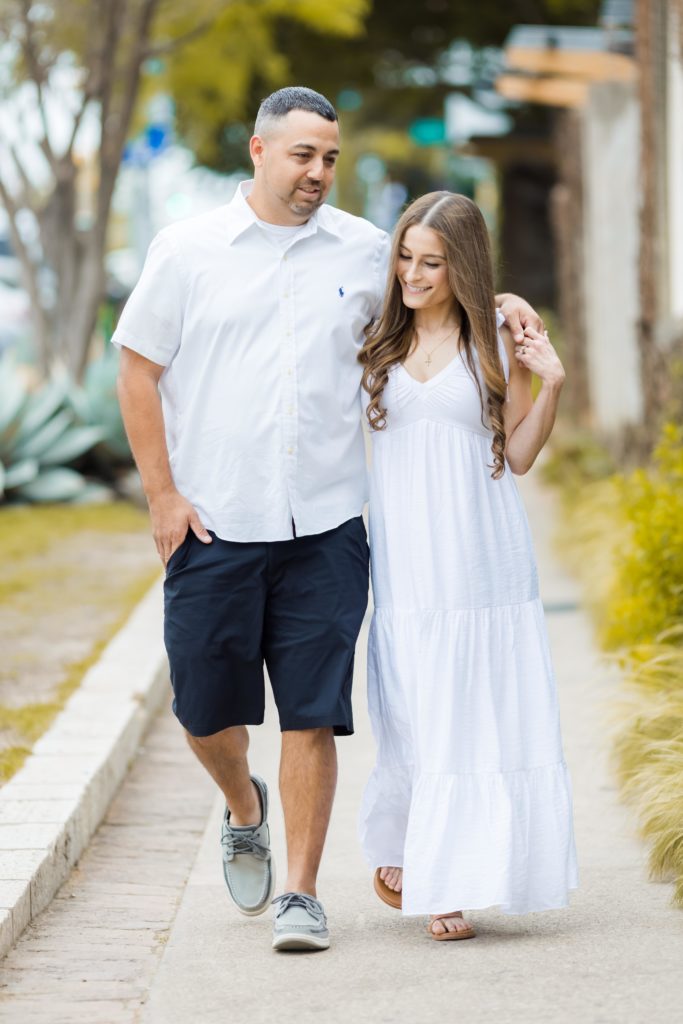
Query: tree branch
[
  {"x": 78, "y": 117},
  {"x": 106, "y": 57},
  {"x": 39, "y": 76},
  {"x": 25, "y": 180},
  {"x": 92, "y": 65},
  {"x": 171, "y": 45},
  {"x": 112, "y": 145}
]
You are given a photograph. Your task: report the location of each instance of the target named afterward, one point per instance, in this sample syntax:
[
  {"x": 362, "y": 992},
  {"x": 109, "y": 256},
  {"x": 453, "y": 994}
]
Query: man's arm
[
  {"x": 140, "y": 402},
  {"x": 518, "y": 314}
]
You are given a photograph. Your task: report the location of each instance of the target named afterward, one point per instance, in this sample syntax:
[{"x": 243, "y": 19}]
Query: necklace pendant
[{"x": 428, "y": 360}]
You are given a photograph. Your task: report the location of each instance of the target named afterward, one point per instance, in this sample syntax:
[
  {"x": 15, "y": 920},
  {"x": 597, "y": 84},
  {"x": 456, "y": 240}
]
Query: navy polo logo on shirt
[{"x": 341, "y": 292}]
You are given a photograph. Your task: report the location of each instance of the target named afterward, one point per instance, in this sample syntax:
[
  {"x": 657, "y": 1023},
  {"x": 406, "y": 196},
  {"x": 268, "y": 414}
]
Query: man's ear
[{"x": 256, "y": 150}]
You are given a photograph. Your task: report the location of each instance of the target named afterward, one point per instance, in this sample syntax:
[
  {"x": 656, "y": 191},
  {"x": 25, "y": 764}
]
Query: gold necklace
[{"x": 428, "y": 360}]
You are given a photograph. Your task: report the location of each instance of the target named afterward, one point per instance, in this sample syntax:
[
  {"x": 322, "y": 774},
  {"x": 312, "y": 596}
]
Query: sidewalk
[{"x": 614, "y": 955}]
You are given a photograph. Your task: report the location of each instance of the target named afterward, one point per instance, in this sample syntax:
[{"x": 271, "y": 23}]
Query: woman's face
[{"x": 422, "y": 269}]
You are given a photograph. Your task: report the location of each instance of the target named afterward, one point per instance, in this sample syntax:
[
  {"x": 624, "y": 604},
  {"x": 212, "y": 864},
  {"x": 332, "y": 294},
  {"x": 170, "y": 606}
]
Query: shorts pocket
[{"x": 180, "y": 554}]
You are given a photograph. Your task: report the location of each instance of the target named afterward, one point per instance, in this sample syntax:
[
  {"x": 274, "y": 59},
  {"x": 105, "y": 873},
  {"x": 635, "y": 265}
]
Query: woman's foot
[
  {"x": 388, "y": 883},
  {"x": 450, "y": 926},
  {"x": 392, "y": 878}
]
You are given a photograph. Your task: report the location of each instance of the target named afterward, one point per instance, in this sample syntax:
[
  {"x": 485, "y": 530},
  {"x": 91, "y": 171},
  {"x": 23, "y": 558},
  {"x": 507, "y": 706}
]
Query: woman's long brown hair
[{"x": 460, "y": 225}]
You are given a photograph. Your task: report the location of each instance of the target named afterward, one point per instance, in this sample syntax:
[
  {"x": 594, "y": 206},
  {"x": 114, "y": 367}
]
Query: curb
[{"x": 50, "y": 809}]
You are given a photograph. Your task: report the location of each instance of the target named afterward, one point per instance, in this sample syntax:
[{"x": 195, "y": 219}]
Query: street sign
[{"x": 428, "y": 131}]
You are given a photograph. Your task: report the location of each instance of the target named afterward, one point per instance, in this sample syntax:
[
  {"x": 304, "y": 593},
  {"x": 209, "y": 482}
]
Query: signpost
[{"x": 428, "y": 131}]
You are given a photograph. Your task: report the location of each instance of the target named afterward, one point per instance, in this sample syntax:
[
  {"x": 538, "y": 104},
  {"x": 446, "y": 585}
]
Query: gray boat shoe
[
  {"x": 300, "y": 922},
  {"x": 248, "y": 866}
]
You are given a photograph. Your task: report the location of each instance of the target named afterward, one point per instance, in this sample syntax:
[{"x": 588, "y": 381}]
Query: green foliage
[
  {"x": 402, "y": 34},
  {"x": 217, "y": 76},
  {"x": 577, "y": 459},
  {"x": 39, "y": 437},
  {"x": 592, "y": 535},
  {"x": 44, "y": 431},
  {"x": 647, "y": 595},
  {"x": 625, "y": 535},
  {"x": 96, "y": 404}
]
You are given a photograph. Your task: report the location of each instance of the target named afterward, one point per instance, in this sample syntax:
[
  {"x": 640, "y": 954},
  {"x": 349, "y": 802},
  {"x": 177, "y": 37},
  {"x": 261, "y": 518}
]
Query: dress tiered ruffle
[{"x": 470, "y": 793}]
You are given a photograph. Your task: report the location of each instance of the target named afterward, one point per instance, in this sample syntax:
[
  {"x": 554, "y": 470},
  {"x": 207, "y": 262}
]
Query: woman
[{"x": 469, "y": 804}]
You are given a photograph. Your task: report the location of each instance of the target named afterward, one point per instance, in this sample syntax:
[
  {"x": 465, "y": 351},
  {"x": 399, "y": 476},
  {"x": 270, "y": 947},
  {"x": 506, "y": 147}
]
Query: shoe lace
[
  {"x": 243, "y": 842},
  {"x": 299, "y": 899}
]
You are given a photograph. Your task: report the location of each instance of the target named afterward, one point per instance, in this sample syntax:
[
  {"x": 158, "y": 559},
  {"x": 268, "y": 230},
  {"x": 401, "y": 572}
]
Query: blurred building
[{"x": 613, "y": 165}]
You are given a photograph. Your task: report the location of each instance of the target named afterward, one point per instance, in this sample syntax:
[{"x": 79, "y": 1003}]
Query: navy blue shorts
[{"x": 295, "y": 606}]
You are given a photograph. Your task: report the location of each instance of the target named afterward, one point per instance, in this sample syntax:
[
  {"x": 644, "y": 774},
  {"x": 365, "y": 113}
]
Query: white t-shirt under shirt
[
  {"x": 280, "y": 234},
  {"x": 259, "y": 329}
]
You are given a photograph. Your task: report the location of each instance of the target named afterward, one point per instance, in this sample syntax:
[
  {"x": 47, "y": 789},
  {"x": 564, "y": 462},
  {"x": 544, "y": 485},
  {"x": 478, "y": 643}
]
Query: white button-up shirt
[{"x": 261, "y": 386}]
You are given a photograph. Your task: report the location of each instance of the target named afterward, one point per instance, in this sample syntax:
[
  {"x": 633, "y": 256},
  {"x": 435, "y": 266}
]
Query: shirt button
[
  {"x": 285, "y": 295},
  {"x": 289, "y": 372},
  {"x": 290, "y": 411},
  {"x": 290, "y": 451}
]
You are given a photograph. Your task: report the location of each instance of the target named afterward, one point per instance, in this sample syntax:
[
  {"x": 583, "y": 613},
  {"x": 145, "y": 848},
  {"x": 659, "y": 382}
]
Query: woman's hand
[
  {"x": 528, "y": 421},
  {"x": 536, "y": 353}
]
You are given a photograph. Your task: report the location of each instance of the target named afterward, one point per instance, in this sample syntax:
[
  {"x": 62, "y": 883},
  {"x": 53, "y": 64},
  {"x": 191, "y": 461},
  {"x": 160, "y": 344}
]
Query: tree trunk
[
  {"x": 567, "y": 220},
  {"x": 649, "y": 55},
  {"x": 64, "y": 326}
]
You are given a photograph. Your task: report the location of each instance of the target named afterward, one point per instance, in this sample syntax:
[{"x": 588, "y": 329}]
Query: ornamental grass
[
  {"x": 649, "y": 752},
  {"x": 625, "y": 535}
]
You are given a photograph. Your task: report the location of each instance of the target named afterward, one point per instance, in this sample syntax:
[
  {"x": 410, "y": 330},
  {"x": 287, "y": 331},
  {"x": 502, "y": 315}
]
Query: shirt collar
[{"x": 241, "y": 217}]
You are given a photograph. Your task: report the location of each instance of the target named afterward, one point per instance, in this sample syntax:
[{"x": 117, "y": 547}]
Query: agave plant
[
  {"x": 96, "y": 404},
  {"x": 39, "y": 437}
]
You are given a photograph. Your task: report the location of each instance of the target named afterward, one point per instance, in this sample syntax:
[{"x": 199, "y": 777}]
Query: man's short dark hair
[{"x": 293, "y": 97}]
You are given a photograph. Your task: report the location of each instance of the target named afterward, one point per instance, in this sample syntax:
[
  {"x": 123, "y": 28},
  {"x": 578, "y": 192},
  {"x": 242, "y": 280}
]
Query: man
[{"x": 239, "y": 388}]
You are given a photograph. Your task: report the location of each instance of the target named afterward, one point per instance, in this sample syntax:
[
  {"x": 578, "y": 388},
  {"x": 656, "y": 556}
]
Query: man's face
[{"x": 295, "y": 163}]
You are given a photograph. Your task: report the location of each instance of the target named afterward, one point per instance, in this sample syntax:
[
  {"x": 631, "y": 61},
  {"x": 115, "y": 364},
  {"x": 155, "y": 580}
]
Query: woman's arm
[{"x": 528, "y": 423}]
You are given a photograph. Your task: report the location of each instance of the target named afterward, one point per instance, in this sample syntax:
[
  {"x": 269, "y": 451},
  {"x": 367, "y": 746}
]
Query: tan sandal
[
  {"x": 387, "y": 895},
  {"x": 464, "y": 933}
]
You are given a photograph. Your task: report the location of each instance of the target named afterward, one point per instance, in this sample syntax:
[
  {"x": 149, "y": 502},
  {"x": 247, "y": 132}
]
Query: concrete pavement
[{"x": 614, "y": 955}]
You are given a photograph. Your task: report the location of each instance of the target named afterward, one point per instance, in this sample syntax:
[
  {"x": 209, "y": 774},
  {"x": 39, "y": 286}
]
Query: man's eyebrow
[{"x": 309, "y": 145}]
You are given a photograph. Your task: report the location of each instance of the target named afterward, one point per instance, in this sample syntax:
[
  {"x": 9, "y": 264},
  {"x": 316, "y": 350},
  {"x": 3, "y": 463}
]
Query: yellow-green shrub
[
  {"x": 624, "y": 535},
  {"x": 577, "y": 458},
  {"x": 646, "y": 591},
  {"x": 593, "y": 532}
]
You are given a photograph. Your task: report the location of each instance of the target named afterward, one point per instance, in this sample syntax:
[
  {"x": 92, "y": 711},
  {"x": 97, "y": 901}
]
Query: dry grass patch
[{"x": 71, "y": 576}]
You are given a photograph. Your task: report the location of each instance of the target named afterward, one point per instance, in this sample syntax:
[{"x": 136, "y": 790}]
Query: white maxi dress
[{"x": 470, "y": 793}]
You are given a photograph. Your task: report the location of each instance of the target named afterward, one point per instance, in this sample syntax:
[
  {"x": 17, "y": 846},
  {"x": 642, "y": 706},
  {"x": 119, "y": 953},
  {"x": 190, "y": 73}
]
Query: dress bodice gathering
[{"x": 470, "y": 793}]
